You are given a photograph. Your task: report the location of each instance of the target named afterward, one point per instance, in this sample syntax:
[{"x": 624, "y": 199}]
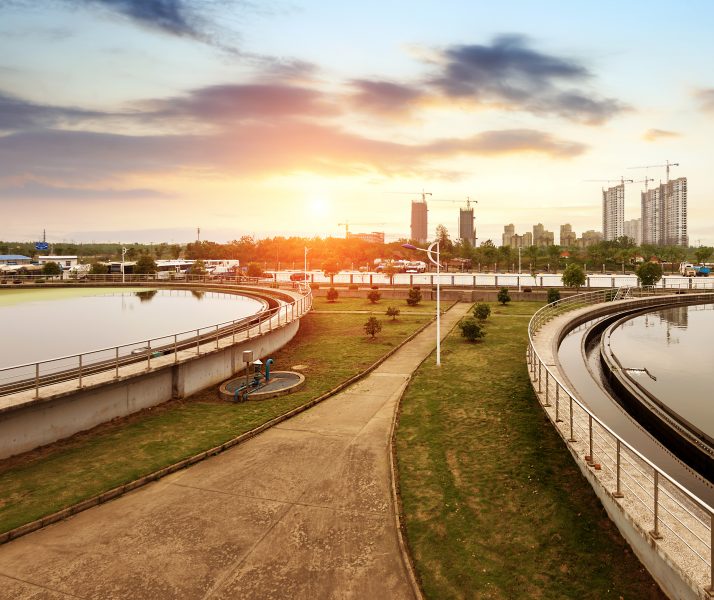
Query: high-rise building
[
  {"x": 567, "y": 236},
  {"x": 633, "y": 230},
  {"x": 513, "y": 240},
  {"x": 664, "y": 214},
  {"x": 542, "y": 237},
  {"x": 507, "y": 237},
  {"x": 589, "y": 238},
  {"x": 467, "y": 231},
  {"x": 419, "y": 221},
  {"x": 613, "y": 212}
]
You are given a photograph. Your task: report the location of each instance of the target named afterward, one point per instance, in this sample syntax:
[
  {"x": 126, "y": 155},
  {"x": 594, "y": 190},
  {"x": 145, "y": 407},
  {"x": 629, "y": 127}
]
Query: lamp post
[
  {"x": 304, "y": 273},
  {"x": 429, "y": 252},
  {"x": 123, "y": 254},
  {"x": 519, "y": 268}
]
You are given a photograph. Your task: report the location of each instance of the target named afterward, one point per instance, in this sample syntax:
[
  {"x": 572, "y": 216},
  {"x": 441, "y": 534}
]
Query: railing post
[
  {"x": 80, "y": 370},
  {"x": 655, "y": 532},
  {"x": 198, "y": 343},
  {"x": 539, "y": 374},
  {"x": 711, "y": 555},
  {"x": 148, "y": 355},
  {"x": 37, "y": 380},
  {"x": 175, "y": 347},
  {"x": 590, "y": 459},
  {"x": 557, "y": 403},
  {"x": 116, "y": 362},
  {"x": 233, "y": 332},
  {"x": 260, "y": 323},
  {"x": 618, "y": 491},
  {"x": 547, "y": 379},
  {"x": 571, "y": 438},
  {"x": 216, "y": 337}
]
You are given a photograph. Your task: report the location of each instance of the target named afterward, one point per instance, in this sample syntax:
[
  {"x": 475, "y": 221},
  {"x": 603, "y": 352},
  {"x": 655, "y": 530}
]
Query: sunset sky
[{"x": 140, "y": 120}]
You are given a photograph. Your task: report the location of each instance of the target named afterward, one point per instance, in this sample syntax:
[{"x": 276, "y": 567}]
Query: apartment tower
[
  {"x": 467, "y": 231},
  {"x": 664, "y": 214},
  {"x": 419, "y": 221},
  {"x": 613, "y": 212}
]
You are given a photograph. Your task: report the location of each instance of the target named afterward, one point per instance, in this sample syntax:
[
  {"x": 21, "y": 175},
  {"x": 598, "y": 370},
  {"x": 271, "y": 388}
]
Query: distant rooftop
[{"x": 13, "y": 257}]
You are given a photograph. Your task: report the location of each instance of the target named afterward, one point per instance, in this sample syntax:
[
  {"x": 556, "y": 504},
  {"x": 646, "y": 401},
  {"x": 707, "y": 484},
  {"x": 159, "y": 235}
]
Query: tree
[
  {"x": 198, "y": 268},
  {"x": 51, "y": 268},
  {"x": 254, "y": 270},
  {"x": 373, "y": 326},
  {"x": 374, "y": 296},
  {"x": 703, "y": 253},
  {"x": 145, "y": 265},
  {"x": 553, "y": 295},
  {"x": 393, "y": 311},
  {"x": 446, "y": 246},
  {"x": 414, "y": 296},
  {"x": 573, "y": 276},
  {"x": 648, "y": 273},
  {"x": 390, "y": 270},
  {"x": 98, "y": 269},
  {"x": 503, "y": 296},
  {"x": 471, "y": 329},
  {"x": 330, "y": 268},
  {"x": 332, "y": 294},
  {"x": 482, "y": 311}
]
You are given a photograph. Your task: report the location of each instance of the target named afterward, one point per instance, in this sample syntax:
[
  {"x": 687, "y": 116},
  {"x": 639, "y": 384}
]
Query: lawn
[
  {"x": 494, "y": 505},
  {"x": 332, "y": 347},
  {"x": 362, "y": 304}
]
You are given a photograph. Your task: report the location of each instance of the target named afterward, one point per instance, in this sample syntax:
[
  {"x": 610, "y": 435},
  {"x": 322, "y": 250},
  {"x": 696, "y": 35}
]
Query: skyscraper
[
  {"x": 633, "y": 230},
  {"x": 613, "y": 212},
  {"x": 664, "y": 214},
  {"x": 467, "y": 232},
  {"x": 419, "y": 221},
  {"x": 567, "y": 236}
]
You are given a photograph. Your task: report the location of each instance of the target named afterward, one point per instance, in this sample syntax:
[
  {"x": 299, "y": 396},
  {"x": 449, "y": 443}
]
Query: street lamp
[
  {"x": 429, "y": 251},
  {"x": 123, "y": 254},
  {"x": 519, "y": 268},
  {"x": 304, "y": 273}
]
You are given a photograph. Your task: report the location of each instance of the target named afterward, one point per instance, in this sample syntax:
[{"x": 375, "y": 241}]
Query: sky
[{"x": 143, "y": 120}]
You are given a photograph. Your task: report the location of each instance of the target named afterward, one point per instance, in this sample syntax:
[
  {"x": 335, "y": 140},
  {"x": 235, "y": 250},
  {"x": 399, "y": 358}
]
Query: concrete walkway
[{"x": 303, "y": 510}]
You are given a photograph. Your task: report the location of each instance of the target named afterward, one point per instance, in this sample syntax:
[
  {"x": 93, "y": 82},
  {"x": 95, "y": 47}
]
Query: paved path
[{"x": 303, "y": 510}]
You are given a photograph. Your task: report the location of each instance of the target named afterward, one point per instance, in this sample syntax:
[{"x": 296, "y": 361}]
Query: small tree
[
  {"x": 374, "y": 296},
  {"x": 648, "y": 273},
  {"x": 503, "y": 296},
  {"x": 145, "y": 265},
  {"x": 573, "y": 276},
  {"x": 414, "y": 296},
  {"x": 390, "y": 270},
  {"x": 482, "y": 311},
  {"x": 471, "y": 329},
  {"x": 393, "y": 312},
  {"x": 51, "y": 268},
  {"x": 98, "y": 269},
  {"x": 373, "y": 326},
  {"x": 254, "y": 270},
  {"x": 553, "y": 295},
  {"x": 332, "y": 294},
  {"x": 330, "y": 268},
  {"x": 703, "y": 253}
]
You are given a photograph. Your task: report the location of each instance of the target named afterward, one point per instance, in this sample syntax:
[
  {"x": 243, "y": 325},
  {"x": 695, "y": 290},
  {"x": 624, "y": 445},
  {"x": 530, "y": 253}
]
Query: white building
[
  {"x": 664, "y": 214},
  {"x": 64, "y": 261},
  {"x": 613, "y": 212},
  {"x": 633, "y": 230}
]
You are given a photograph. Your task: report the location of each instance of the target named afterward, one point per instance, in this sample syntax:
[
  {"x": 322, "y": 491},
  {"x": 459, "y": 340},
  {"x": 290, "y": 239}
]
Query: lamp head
[{"x": 409, "y": 247}]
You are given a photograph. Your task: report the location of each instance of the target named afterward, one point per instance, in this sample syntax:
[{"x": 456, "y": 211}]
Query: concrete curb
[
  {"x": 407, "y": 556},
  {"x": 156, "y": 475}
]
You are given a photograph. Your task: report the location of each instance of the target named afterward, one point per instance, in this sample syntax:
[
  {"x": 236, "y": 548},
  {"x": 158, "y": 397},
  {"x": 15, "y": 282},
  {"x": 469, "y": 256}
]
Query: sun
[{"x": 319, "y": 205}]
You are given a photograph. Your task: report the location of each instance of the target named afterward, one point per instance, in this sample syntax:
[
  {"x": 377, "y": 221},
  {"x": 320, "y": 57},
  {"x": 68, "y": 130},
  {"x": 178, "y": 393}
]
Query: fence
[
  {"x": 679, "y": 522},
  {"x": 77, "y": 367}
]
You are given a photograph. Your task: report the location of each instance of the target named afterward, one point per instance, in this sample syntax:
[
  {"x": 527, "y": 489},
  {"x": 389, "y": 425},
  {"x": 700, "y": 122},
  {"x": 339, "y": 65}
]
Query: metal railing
[
  {"x": 681, "y": 523},
  {"x": 139, "y": 356}
]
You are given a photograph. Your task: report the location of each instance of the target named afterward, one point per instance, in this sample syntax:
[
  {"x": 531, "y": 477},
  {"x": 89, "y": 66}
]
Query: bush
[
  {"x": 393, "y": 312},
  {"x": 553, "y": 295},
  {"x": 51, "y": 268},
  {"x": 373, "y": 326},
  {"x": 314, "y": 286},
  {"x": 374, "y": 296},
  {"x": 332, "y": 294},
  {"x": 374, "y": 287},
  {"x": 482, "y": 311},
  {"x": 573, "y": 276},
  {"x": 254, "y": 270},
  {"x": 648, "y": 273},
  {"x": 414, "y": 297},
  {"x": 353, "y": 287},
  {"x": 503, "y": 296},
  {"x": 471, "y": 329}
]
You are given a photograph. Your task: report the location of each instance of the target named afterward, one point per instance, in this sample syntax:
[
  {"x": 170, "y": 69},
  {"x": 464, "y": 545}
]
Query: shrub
[
  {"x": 482, "y": 311},
  {"x": 374, "y": 287},
  {"x": 471, "y": 329},
  {"x": 353, "y": 287},
  {"x": 393, "y": 312},
  {"x": 503, "y": 296},
  {"x": 573, "y": 276},
  {"x": 553, "y": 295},
  {"x": 414, "y": 297},
  {"x": 51, "y": 268},
  {"x": 332, "y": 294},
  {"x": 373, "y": 326},
  {"x": 648, "y": 273},
  {"x": 374, "y": 296},
  {"x": 314, "y": 286}
]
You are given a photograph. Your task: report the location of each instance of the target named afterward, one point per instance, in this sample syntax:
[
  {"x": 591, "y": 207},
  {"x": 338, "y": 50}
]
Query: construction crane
[
  {"x": 346, "y": 225},
  {"x": 468, "y": 201},
  {"x": 422, "y": 194},
  {"x": 646, "y": 181},
  {"x": 666, "y": 165},
  {"x": 622, "y": 180}
]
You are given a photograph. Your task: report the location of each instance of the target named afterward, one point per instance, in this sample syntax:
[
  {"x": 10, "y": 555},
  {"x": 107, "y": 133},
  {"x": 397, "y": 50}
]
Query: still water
[
  {"x": 37, "y": 325},
  {"x": 675, "y": 347}
]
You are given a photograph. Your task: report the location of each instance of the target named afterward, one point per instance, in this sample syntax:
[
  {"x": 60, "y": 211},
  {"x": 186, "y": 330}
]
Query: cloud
[
  {"x": 652, "y": 135},
  {"x": 17, "y": 114},
  {"x": 33, "y": 190},
  {"x": 706, "y": 99},
  {"x": 383, "y": 97},
  {"x": 511, "y": 75},
  {"x": 246, "y": 101},
  {"x": 170, "y": 16},
  {"x": 510, "y": 141}
]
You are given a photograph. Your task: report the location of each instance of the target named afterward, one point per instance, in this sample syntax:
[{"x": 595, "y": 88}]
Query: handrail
[
  {"x": 171, "y": 344},
  {"x": 536, "y": 365}
]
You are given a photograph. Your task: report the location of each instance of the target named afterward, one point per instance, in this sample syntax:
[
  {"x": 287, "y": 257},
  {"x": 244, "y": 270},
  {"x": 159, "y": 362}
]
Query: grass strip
[
  {"x": 332, "y": 347},
  {"x": 493, "y": 503},
  {"x": 380, "y": 307}
]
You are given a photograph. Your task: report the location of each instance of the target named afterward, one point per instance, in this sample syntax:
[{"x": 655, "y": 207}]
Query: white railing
[
  {"x": 679, "y": 521},
  {"x": 77, "y": 367}
]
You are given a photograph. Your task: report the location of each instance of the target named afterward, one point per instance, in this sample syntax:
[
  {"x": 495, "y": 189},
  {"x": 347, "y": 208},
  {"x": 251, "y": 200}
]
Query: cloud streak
[{"x": 653, "y": 135}]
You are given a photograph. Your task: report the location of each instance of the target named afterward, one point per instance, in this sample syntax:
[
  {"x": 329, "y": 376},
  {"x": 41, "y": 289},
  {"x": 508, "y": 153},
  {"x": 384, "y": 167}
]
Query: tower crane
[
  {"x": 666, "y": 165},
  {"x": 422, "y": 194},
  {"x": 622, "y": 180}
]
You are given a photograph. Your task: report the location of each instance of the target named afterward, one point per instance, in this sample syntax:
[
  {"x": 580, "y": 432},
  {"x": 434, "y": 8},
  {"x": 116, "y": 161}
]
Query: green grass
[
  {"x": 343, "y": 303},
  {"x": 333, "y": 347},
  {"x": 494, "y": 505}
]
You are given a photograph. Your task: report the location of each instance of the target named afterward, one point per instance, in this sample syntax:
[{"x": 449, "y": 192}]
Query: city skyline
[{"x": 141, "y": 121}]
